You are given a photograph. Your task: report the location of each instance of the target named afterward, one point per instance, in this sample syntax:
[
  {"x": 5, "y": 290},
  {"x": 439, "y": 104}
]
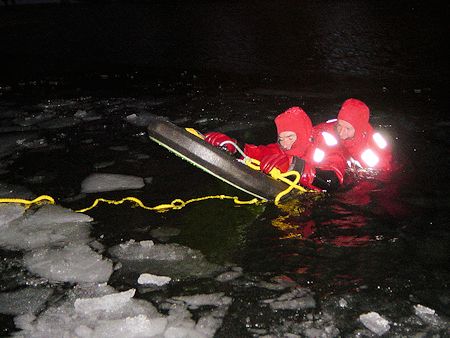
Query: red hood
[
  {"x": 296, "y": 120},
  {"x": 356, "y": 113}
]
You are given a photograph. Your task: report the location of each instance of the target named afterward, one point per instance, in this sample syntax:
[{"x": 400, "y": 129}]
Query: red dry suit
[
  {"x": 367, "y": 148},
  {"x": 317, "y": 156}
]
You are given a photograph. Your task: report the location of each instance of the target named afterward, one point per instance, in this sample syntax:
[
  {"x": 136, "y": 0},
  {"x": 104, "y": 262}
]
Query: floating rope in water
[{"x": 176, "y": 204}]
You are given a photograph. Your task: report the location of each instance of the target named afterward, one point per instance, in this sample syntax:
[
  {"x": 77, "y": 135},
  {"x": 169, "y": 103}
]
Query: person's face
[
  {"x": 344, "y": 130},
  {"x": 286, "y": 139}
]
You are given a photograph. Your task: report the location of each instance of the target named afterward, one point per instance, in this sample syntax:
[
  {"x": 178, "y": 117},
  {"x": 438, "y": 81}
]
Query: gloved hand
[
  {"x": 280, "y": 161},
  {"x": 308, "y": 175},
  {"x": 216, "y": 139}
]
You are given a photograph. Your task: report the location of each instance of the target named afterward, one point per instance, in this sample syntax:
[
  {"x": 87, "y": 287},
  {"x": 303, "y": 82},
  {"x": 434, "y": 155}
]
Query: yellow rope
[
  {"x": 274, "y": 173},
  {"x": 29, "y": 203},
  {"x": 278, "y": 175},
  {"x": 176, "y": 204},
  {"x": 195, "y": 132}
]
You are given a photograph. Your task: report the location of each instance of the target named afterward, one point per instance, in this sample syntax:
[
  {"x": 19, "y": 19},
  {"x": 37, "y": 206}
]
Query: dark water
[{"x": 233, "y": 66}]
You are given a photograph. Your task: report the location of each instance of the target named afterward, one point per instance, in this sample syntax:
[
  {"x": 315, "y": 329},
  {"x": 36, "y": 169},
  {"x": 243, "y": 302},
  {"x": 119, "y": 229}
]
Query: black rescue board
[{"x": 213, "y": 160}]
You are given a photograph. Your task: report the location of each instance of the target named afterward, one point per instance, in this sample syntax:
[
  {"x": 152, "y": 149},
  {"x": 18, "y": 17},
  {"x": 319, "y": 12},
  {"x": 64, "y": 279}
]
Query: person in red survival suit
[
  {"x": 318, "y": 159},
  {"x": 363, "y": 146}
]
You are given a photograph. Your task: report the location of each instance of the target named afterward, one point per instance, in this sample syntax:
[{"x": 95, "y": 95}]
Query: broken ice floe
[
  {"x": 110, "y": 182},
  {"x": 229, "y": 275},
  {"x": 48, "y": 225},
  {"x": 148, "y": 278},
  {"x": 297, "y": 299},
  {"x": 86, "y": 116},
  {"x": 104, "y": 303},
  {"x": 180, "y": 319},
  {"x": 26, "y": 300},
  {"x": 173, "y": 260},
  {"x": 427, "y": 315},
  {"x": 97, "y": 310},
  {"x": 10, "y": 212},
  {"x": 195, "y": 301},
  {"x": 375, "y": 323},
  {"x": 73, "y": 263},
  {"x": 101, "y": 165}
]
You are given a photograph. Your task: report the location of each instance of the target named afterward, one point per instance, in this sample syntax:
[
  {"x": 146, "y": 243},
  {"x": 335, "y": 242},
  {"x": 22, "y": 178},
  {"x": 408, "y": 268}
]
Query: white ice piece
[
  {"x": 298, "y": 298},
  {"x": 50, "y": 224},
  {"x": 73, "y": 263},
  {"x": 108, "y": 303},
  {"x": 195, "y": 301},
  {"x": 10, "y": 212},
  {"x": 148, "y": 278},
  {"x": 426, "y": 314},
  {"x": 375, "y": 323},
  {"x": 111, "y": 182},
  {"x": 27, "y": 300},
  {"x": 132, "y": 327}
]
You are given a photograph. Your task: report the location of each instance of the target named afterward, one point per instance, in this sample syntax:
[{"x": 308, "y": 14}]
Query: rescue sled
[{"x": 214, "y": 161}]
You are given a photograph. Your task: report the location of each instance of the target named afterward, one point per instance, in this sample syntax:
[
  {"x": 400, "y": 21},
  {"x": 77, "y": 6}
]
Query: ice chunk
[
  {"x": 27, "y": 300},
  {"x": 101, "y": 165},
  {"x": 343, "y": 303},
  {"x": 86, "y": 116},
  {"x": 426, "y": 314},
  {"x": 182, "y": 332},
  {"x": 9, "y": 212},
  {"x": 106, "y": 303},
  {"x": 208, "y": 325},
  {"x": 55, "y": 214},
  {"x": 180, "y": 321},
  {"x": 147, "y": 278},
  {"x": 73, "y": 263},
  {"x": 110, "y": 182},
  {"x": 132, "y": 250},
  {"x": 423, "y": 310},
  {"x": 173, "y": 260},
  {"x": 63, "y": 319},
  {"x": 139, "y": 326},
  {"x": 195, "y": 301},
  {"x": 375, "y": 323},
  {"x": 50, "y": 224},
  {"x": 298, "y": 298},
  {"x": 228, "y": 276}
]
